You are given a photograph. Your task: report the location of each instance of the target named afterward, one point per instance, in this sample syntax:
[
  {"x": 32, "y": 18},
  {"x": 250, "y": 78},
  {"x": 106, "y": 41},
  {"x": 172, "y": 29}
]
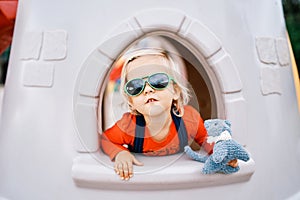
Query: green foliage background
[{"x": 291, "y": 10}]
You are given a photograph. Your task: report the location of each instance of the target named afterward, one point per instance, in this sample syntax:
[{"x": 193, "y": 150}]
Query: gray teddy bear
[{"x": 225, "y": 148}]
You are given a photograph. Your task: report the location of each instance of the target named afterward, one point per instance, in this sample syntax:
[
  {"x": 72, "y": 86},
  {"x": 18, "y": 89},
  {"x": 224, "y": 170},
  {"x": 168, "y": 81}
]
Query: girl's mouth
[{"x": 151, "y": 100}]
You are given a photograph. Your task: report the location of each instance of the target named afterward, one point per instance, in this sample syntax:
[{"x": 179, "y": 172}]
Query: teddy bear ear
[{"x": 228, "y": 123}]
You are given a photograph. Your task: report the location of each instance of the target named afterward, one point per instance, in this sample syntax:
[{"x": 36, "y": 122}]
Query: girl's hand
[
  {"x": 233, "y": 163},
  {"x": 124, "y": 161}
]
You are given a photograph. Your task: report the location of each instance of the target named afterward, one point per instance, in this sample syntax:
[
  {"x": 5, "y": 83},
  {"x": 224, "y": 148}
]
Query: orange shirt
[{"x": 122, "y": 133}]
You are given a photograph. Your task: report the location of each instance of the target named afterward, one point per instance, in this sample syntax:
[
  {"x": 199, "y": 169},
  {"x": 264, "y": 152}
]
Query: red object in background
[
  {"x": 116, "y": 71},
  {"x": 8, "y": 10}
]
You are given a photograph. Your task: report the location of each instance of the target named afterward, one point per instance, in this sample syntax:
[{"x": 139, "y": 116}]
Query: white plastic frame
[{"x": 91, "y": 81}]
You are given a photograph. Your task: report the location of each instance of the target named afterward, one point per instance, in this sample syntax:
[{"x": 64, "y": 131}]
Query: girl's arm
[
  {"x": 195, "y": 126},
  {"x": 112, "y": 142}
]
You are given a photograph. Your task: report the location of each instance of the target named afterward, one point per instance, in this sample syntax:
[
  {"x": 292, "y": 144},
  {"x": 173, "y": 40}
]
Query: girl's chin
[{"x": 155, "y": 110}]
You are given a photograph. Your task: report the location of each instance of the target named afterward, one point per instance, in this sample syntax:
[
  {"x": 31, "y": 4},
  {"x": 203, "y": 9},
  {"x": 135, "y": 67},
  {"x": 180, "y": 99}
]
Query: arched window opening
[{"x": 202, "y": 96}]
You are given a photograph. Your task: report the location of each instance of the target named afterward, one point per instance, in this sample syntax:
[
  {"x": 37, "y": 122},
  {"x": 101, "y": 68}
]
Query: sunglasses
[{"x": 158, "y": 81}]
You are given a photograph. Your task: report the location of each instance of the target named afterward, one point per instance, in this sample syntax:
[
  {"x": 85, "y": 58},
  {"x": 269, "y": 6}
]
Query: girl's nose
[{"x": 148, "y": 89}]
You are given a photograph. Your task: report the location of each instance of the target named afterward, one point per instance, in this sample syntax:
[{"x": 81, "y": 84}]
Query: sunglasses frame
[{"x": 147, "y": 81}]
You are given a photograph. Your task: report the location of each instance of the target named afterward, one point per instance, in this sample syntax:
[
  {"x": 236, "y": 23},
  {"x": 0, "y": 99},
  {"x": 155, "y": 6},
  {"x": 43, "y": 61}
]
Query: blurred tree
[{"x": 291, "y": 9}]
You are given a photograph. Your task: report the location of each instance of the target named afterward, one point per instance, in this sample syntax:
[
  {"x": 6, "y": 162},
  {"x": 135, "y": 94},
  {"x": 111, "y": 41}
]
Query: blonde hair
[{"x": 179, "y": 81}]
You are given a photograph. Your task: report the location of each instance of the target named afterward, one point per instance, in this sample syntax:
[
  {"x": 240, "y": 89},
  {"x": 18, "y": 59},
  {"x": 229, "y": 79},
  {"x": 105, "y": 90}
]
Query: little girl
[{"x": 160, "y": 122}]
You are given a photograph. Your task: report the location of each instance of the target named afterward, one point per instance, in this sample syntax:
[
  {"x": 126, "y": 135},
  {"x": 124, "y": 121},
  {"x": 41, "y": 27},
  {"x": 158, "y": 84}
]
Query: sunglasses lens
[
  {"x": 134, "y": 87},
  {"x": 159, "y": 81}
]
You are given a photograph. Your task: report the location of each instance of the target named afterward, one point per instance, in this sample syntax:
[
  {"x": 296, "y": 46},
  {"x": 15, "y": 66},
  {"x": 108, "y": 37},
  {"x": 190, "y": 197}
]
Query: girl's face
[{"x": 151, "y": 102}]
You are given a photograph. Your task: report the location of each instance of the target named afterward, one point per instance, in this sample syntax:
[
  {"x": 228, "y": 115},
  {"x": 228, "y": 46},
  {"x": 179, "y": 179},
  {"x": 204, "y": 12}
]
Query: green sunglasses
[{"x": 158, "y": 81}]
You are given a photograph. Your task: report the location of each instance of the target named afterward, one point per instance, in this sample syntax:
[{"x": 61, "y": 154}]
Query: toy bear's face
[{"x": 215, "y": 127}]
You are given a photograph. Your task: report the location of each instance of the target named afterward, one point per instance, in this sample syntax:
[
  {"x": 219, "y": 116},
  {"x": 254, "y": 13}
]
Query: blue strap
[
  {"x": 181, "y": 131},
  {"x": 140, "y": 133}
]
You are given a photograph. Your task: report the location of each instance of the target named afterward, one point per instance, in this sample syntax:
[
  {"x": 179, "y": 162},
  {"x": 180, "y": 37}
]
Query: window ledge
[{"x": 95, "y": 170}]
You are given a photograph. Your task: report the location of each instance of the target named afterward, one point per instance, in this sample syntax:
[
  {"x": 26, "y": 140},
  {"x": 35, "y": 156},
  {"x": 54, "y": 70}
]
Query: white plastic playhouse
[{"x": 59, "y": 97}]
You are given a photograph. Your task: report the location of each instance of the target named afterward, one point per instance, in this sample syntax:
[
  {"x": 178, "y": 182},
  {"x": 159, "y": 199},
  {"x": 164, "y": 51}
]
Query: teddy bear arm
[
  {"x": 195, "y": 156},
  {"x": 243, "y": 155},
  {"x": 240, "y": 152}
]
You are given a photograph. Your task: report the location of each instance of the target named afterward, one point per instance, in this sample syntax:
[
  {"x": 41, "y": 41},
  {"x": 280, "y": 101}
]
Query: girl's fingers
[
  {"x": 130, "y": 171},
  {"x": 123, "y": 169},
  {"x": 119, "y": 168},
  {"x": 116, "y": 168},
  {"x": 126, "y": 167}
]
